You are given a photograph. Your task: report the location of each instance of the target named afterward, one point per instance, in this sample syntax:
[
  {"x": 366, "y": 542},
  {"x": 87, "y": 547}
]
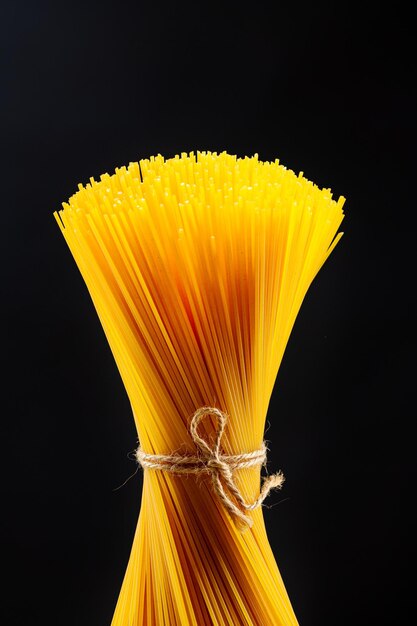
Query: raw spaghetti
[{"x": 197, "y": 267}]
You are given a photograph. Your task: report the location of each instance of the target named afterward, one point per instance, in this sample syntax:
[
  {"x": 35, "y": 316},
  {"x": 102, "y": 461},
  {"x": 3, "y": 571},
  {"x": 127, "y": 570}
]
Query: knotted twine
[{"x": 220, "y": 466}]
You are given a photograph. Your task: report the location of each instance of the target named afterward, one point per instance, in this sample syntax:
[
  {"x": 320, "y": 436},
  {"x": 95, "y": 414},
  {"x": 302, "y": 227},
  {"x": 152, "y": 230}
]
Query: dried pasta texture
[{"x": 197, "y": 266}]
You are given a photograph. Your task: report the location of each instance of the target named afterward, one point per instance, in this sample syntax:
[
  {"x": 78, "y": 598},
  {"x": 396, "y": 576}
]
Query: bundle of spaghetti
[{"x": 197, "y": 266}]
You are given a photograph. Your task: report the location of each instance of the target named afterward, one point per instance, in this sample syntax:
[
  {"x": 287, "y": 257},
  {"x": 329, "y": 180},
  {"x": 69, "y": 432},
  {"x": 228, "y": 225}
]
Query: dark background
[{"x": 86, "y": 87}]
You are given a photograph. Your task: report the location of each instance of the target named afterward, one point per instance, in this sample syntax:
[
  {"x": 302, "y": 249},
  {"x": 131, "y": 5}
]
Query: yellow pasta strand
[{"x": 197, "y": 266}]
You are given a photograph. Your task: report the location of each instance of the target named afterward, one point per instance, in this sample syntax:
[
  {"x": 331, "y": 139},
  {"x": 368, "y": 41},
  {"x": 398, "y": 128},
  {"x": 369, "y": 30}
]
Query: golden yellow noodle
[{"x": 197, "y": 266}]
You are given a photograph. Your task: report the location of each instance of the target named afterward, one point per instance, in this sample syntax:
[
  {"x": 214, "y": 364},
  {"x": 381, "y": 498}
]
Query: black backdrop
[{"x": 90, "y": 86}]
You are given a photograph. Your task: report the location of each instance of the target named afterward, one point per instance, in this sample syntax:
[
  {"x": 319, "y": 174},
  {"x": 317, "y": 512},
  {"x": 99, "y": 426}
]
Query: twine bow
[{"x": 220, "y": 466}]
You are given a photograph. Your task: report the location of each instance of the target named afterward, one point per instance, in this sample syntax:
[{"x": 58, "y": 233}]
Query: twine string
[{"x": 220, "y": 466}]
